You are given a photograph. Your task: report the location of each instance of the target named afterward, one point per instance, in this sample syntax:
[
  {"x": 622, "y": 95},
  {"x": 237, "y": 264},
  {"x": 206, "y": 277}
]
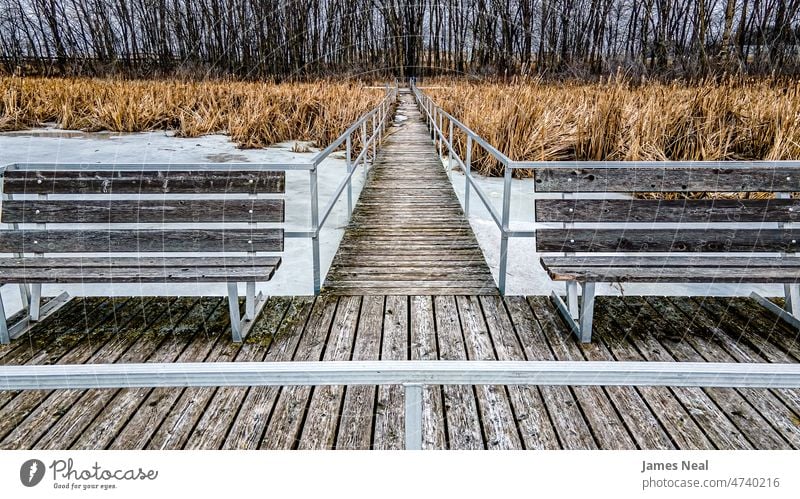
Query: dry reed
[
  {"x": 253, "y": 114},
  {"x": 734, "y": 120}
]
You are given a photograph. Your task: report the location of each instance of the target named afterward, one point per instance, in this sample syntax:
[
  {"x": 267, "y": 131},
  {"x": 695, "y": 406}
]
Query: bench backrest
[
  {"x": 225, "y": 202},
  {"x": 634, "y": 224}
]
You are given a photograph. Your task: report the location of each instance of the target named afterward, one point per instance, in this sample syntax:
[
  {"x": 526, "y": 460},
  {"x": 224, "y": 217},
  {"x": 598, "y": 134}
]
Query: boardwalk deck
[
  {"x": 408, "y": 234},
  {"x": 123, "y": 330}
]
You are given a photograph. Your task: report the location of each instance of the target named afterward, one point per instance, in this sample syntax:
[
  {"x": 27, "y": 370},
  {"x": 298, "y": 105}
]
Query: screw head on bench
[
  {"x": 250, "y": 211},
  {"x": 37, "y": 212},
  {"x": 39, "y": 181}
]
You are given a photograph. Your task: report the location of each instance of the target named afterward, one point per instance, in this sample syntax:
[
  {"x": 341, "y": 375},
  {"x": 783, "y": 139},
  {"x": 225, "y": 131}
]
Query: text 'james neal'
[{"x": 683, "y": 466}]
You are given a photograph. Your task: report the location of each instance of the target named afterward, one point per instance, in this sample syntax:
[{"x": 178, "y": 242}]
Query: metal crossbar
[
  {"x": 413, "y": 375},
  {"x": 378, "y": 117}
]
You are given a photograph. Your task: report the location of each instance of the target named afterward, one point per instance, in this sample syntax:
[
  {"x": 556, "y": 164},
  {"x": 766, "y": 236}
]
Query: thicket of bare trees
[{"x": 301, "y": 38}]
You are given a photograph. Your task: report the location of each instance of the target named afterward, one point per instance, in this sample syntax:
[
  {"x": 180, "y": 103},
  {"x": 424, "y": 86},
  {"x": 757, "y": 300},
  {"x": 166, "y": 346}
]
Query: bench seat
[
  {"x": 32, "y": 270},
  {"x": 671, "y": 269}
]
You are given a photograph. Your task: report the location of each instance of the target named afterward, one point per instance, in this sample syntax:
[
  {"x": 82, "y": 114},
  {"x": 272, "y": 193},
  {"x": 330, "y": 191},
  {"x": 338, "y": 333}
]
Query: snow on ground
[
  {"x": 525, "y": 274},
  {"x": 295, "y": 275}
]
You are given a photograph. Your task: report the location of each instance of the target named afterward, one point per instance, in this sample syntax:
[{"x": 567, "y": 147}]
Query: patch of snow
[{"x": 293, "y": 278}]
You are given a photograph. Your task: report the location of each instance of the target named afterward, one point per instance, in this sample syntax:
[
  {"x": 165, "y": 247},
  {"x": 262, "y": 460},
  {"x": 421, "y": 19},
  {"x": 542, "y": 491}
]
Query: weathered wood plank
[
  {"x": 146, "y": 181},
  {"x": 389, "y": 414},
  {"x": 286, "y": 423},
  {"x": 105, "y": 345},
  {"x": 672, "y": 240},
  {"x": 563, "y": 410},
  {"x": 215, "y": 422},
  {"x": 130, "y": 419},
  {"x": 607, "y": 426},
  {"x": 497, "y": 418},
  {"x": 642, "y": 334},
  {"x": 140, "y": 240},
  {"x": 248, "y": 428},
  {"x": 358, "y": 409},
  {"x": 460, "y": 409},
  {"x": 773, "y": 410},
  {"x": 143, "y": 211},
  {"x": 186, "y": 274},
  {"x": 749, "y": 421},
  {"x": 155, "y": 315},
  {"x": 677, "y": 422},
  {"x": 424, "y": 347},
  {"x": 662, "y": 210},
  {"x": 758, "y": 178},
  {"x": 325, "y": 407},
  {"x": 530, "y": 411}
]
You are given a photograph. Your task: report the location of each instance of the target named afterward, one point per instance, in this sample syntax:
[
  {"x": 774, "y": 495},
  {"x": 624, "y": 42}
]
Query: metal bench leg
[
  {"x": 233, "y": 307},
  {"x": 572, "y": 298},
  {"x": 5, "y": 338},
  {"x": 587, "y": 312},
  {"x": 580, "y": 323},
  {"x": 784, "y": 314},
  {"x": 792, "y": 292},
  {"x": 250, "y": 301},
  {"x": 36, "y": 300}
]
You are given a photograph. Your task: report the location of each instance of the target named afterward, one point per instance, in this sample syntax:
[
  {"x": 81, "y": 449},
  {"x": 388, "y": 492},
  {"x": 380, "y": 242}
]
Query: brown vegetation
[
  {"x": 253, "y": 114},
  {"x": 744, "y": 120}
]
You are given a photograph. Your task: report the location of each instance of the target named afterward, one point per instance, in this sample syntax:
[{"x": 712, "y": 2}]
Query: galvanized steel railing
[
  {"x": 412, "y": 375},
  {"x": 437, "y": 118}
]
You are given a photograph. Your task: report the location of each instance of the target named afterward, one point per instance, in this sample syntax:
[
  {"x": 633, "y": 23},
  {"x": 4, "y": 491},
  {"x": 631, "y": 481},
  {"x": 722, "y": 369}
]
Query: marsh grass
[
  {"x": 615, "y": 120},
  {"x": 253, "y": 114}
]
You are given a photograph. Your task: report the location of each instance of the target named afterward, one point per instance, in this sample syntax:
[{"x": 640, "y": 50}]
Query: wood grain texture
[
  {"x": 671, "y": 240},
  {"x": 141, "y": 240},
  {"x": 141, "y": 182},
  {"x": 144, "y": 211},
  {"x": 660, "y": 179},
  {"x": 401, "y": 327}
]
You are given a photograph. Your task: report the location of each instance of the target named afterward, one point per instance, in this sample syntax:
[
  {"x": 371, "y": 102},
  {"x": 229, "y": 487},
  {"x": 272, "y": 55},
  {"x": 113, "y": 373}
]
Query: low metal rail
[
  {"x": 378, "y": 118},
  {"x": 412, "y": 375}
]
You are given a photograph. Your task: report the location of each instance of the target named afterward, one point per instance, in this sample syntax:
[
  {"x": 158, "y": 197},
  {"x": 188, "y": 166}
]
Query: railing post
[
  {"x": 440, "y": 134},
  {"x": 349, "y": 164},
  {"x": 450, "y": 149},
  {"x": 374, "y": 139},
  {"x": 467, "y": 173},
  {"x": 413, "y": 403},
  {"x": 312, "y": 179},
  {"x": 364, "y": 148},
  {"x": 504, "y": 227}
]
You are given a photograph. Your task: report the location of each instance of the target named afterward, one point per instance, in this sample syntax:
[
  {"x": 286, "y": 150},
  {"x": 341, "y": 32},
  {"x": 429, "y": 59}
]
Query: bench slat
[
  {"x": 655, "y": 211},
  {"x": 660, "y": 179},
  {"x": 144, "y": 240},
  {"x": 145, "y": 211},
  {"x": 136, "y": 274},
  {"x": 672, "y": 240},
  {"x": 676, "y": 274},
  {"x": 671, "y": 261},
  {"x": 143, "y": 182},
  {"x": 139, "y": 262}
]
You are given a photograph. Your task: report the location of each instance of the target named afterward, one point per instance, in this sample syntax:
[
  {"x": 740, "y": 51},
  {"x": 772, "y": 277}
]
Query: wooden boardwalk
[
  {"x": 96, "y": 330},
  {"x": 408, "y": 234}
]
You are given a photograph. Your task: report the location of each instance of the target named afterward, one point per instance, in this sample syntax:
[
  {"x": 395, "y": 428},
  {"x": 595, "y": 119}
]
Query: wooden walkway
[
  {"x": 330, "y": 328},
  {"x": 408, "y": 234}
]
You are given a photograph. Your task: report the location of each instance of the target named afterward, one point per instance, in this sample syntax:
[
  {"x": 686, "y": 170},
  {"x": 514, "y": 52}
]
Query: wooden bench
[
  {"x": 667, "y": 241},
  {"x": 171, "y": 226}
]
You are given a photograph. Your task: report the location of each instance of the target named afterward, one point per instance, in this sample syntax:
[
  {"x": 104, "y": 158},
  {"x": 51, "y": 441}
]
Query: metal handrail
[
  {"x": 378, "y": 116},
  {"x": 411, "y": 375},
  {"x": 435, "y": 116}
]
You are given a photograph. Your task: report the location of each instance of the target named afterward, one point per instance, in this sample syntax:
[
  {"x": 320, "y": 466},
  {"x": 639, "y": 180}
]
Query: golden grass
[
  {"x": 744, "y": 120},
  {"x": 253, "y": 114}
]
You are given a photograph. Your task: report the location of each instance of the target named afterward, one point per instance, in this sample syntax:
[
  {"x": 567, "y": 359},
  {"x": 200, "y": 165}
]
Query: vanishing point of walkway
[{"x": 408, "y": 234}]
